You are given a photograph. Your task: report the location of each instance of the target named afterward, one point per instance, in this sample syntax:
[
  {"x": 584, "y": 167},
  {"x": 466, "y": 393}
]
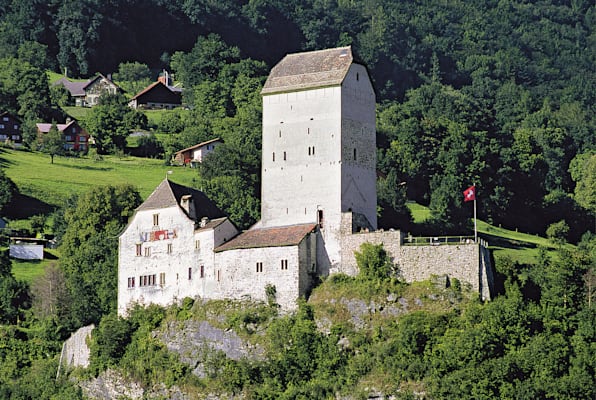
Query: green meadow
[
  {"x": 44, "y": 186},
  {"x": 53, "y": 183}
]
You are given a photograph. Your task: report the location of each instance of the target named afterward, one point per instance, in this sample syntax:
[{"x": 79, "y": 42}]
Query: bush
[{"x": 373, "y": 262}]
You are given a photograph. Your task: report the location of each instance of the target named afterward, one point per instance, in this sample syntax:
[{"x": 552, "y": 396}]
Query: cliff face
[{"x": 75, "y": 352}]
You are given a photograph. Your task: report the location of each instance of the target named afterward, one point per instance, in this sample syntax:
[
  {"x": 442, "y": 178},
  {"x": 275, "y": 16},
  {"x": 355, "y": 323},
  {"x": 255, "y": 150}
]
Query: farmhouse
[
  {"x": 194, "y": 155},
  {"x": 10, "y": 130},
  {"x": 318, "y": 205},
  {"x": 86, "y": 93},
  {"x": 159, "y": 95},
  {"x": 75, "y": 137}
]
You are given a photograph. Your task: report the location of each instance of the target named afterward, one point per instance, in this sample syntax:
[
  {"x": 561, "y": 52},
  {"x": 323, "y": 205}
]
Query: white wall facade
[
  {"x": 164, "y": 263},
  {"x": 308, "y": 168},
  {"x": 245, "y": 273},
  {"x": 359, "y": 145}
]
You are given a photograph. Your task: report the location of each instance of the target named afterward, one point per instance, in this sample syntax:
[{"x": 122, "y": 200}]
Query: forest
[{"x": 500, "y": 94}]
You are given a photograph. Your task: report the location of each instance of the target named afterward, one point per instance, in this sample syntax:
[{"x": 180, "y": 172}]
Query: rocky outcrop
[
  {"x": 75, "y": 352},
  {"x": 196, "y": 341}
]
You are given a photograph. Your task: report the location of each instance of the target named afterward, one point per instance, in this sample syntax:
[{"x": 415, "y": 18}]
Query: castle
[{"x": 318, "y": 204}]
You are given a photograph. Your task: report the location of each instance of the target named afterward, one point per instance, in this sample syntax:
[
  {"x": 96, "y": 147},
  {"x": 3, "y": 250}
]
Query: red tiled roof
[
  {"x": 196, "y": 146},
  {"x": 290, "y": 235}
]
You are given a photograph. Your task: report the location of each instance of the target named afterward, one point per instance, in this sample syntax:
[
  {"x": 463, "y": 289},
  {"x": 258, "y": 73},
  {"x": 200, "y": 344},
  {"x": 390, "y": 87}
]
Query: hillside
[
  {"x": 39, "y": 192},
  {"x": 353, "y": 339}
]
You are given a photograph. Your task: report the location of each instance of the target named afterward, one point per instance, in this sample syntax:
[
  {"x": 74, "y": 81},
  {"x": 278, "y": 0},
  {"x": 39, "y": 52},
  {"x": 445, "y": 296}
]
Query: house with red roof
[
  {"x": 194, "y": 155},
  {"x": 76, "y": 138},
  {"x": 159, "y": 95}
]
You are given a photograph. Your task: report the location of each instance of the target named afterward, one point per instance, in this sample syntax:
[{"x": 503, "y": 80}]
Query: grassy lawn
[
  {"x": 419, "y": 212},
  {"x": 78, "y": 113},
  {"x": 51, "y": 184},
  {"x": 28, "y": 271}
]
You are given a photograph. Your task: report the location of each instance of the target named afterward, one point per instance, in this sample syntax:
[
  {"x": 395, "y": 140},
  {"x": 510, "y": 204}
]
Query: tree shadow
[
  {"x": 22, "y": 207},
  {"x": 498, "y": 241},
  {"x": 86, "y": 167},
  {"x": 3, "y": 161}
]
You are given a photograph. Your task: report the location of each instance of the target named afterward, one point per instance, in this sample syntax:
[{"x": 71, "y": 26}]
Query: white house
[
  {"x": 166, "y": 251},
  {"x": 194, "y": 155}
]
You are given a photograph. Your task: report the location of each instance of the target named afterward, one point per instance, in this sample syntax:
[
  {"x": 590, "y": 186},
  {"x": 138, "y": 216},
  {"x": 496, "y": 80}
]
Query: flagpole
[{"x": 475, "y": 225}]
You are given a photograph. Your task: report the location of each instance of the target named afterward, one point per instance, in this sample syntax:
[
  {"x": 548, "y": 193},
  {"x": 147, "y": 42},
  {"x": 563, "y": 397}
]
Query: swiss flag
[{"x": 470, "y": 193}]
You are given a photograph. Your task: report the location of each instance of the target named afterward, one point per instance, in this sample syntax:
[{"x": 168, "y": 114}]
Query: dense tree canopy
[
  {"x": 89, "y": 249},
  {"x": 111, "y": 121}
]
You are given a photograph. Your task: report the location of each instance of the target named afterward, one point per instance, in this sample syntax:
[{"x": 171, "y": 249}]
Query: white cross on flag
[{"x": 470, "y": 193}]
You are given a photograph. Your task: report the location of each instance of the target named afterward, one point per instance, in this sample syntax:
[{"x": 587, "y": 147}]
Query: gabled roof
[
  {"x": 76, "y": 88},
  {"x": 196, "y": 146},
  {"x": 290, "y": 235},
  {"x": 169, "y": 194},
  {"x": 147, "y": 89},
  {"x": 309, "y": 70},
  {"x": 100, "y": 76},
  {"x": 44, "y": 127}
]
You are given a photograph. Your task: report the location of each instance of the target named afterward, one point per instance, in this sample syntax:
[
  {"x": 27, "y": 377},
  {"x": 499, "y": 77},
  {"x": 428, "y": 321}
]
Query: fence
[{"x": 441, "y": 240}]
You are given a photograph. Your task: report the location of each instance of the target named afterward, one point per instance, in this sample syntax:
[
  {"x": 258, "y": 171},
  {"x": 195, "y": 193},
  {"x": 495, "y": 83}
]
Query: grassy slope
[
  {"x": 520, "y": 247},
  {"x": 54, "y": 183},
  {"x": 43, "y": 186}
]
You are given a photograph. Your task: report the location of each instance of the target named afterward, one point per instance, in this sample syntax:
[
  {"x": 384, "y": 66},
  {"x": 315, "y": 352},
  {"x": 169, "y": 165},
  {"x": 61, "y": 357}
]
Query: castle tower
[{"x": 319, "y": 147}]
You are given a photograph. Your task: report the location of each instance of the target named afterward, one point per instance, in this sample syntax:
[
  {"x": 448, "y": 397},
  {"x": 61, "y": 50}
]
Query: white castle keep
[{"x": 318, "y": 204}]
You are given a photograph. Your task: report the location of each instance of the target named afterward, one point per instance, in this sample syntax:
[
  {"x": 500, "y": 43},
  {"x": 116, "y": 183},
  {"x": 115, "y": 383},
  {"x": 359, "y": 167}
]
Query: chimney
[
  {"x": 204, "y": 222},
  {"x": 188, "y": 205}
]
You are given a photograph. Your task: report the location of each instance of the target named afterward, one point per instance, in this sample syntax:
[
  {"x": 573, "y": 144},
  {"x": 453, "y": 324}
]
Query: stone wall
[
  {"x": 391, "y": 241},
  {"x": 467, "y": 262}
]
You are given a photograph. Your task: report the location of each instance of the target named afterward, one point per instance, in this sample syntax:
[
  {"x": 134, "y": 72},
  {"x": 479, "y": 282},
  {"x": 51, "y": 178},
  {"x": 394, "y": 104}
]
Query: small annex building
[
  {"x": 318, "y": 205},
  {"x": 194, "y": 155}
]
